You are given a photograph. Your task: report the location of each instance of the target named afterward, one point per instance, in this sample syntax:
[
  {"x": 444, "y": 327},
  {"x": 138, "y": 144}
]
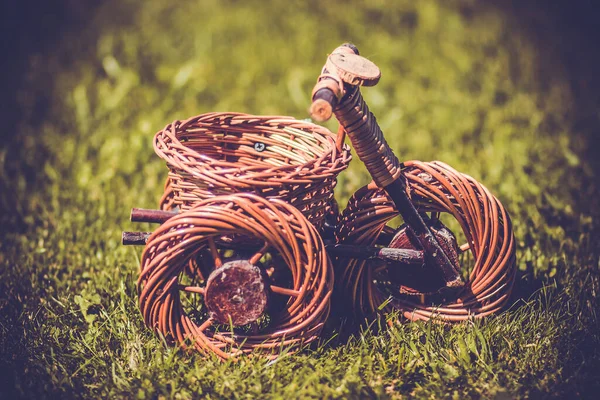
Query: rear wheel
[{"x": 261, "y": 277}]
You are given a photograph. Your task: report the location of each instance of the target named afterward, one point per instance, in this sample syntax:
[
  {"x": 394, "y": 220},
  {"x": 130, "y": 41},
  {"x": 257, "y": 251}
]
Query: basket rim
[{"x": 331, "y": 161}]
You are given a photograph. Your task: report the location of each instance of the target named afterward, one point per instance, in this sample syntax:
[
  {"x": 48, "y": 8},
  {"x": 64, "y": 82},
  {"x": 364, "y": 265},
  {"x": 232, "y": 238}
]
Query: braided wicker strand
[
  {"x": 274, "y": 157},
  {"x": 367, "y": 138},
  {"x": 167, "y": 200},
  {"x": 292, "y": 240},
  {"x": 435, "y": 187},
  {"x": 344, "y": 72}
]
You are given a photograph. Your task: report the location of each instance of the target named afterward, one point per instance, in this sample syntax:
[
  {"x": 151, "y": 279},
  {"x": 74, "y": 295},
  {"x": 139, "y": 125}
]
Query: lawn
[{"x": 505, "y": 92}]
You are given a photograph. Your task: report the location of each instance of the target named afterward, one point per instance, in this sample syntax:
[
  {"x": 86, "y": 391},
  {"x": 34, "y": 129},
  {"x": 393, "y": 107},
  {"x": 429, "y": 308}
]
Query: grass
[{"x": 480, "y": 87}]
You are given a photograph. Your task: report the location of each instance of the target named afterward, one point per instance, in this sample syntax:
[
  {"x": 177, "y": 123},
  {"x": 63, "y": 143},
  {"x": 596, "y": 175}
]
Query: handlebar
[
  {"x": 337, "y": 92},
  {"x": 330, "y": 86}
]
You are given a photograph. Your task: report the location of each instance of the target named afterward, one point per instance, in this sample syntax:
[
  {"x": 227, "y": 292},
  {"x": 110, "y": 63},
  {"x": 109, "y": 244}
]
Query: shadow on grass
[
  {"x": 28, "y": 27},
  {"x": 565, "y": 33}
]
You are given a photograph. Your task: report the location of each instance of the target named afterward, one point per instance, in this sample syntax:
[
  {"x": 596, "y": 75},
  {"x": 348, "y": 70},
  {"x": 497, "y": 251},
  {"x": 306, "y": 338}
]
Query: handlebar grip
[
  {"x": 330, "y": 86},
  {"x": 326, "y": 95},
  {"x": 337, "y": 91},
  {"x": 323, "y": 102}
]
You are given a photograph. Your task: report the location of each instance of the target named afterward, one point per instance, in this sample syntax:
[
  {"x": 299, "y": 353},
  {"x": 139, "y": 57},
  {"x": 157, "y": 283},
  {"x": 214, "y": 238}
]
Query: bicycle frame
[{"x": 338, "y": 92}]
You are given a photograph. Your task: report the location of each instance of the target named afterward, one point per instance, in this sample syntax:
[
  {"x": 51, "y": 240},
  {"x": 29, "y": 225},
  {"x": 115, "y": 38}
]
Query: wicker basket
[{"x": 274, "y": 157}]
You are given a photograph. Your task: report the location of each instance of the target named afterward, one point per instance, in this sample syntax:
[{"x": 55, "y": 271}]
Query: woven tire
[
  {"x": 434, "y": 187},
  {"x": 274, "y": 157},
  {"x": 296, "y": 251}
]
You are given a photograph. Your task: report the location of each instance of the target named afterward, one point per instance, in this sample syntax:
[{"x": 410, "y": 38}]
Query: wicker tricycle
[{"x": 251, "y": 236}]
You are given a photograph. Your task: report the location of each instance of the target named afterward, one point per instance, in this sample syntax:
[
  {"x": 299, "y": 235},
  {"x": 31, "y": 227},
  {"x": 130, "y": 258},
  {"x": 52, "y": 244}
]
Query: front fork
[{"x": 337, "y": 92}]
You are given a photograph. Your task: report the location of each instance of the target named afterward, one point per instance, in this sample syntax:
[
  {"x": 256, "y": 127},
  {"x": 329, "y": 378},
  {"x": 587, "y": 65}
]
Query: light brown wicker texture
[
  {"x": 274, "y": 157},
  {"x": 353, "y": 113},
  {"x": 292, "y": 244},
  {"x": 167, "y": 200},
  {"x": 434, "y": 187}
]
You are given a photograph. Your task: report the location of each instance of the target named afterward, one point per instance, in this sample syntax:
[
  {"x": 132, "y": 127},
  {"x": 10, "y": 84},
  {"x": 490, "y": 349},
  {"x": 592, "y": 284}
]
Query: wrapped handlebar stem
[{"x": 343, "y": 73}]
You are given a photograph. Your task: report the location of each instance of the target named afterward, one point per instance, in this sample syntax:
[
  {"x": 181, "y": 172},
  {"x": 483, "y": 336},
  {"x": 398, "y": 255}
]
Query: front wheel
[{"x": 434, "y": 188}]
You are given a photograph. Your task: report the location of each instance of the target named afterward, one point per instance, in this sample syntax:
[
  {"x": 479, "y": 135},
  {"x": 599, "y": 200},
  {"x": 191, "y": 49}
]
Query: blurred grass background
[{"x": 504, "y": 91}]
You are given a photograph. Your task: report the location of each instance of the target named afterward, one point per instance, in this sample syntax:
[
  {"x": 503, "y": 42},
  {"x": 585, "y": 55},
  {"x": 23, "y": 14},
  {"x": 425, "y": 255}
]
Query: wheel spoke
[
  {"x": 215, "y": 253},
  {"x": 284, "y": 291},
  {"x": 259, "y": 254},
  {"x": 206, "y": 324},
  {"x": 192, "y": 289}
]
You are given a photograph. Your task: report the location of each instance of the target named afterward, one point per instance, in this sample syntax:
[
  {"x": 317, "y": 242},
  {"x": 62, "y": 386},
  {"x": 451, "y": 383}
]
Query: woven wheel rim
[
  {"x": 170, "y": 248},
  {"x": 434, "y": 187}
]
